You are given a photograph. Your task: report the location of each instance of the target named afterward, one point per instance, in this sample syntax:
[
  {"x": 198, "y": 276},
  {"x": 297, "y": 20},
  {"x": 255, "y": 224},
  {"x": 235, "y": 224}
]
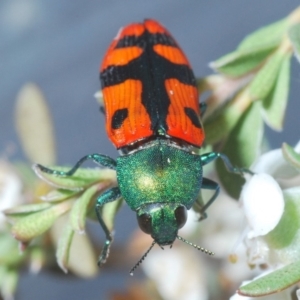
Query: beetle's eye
[
  {"x": 180, "y": 215},
  {"x": 144, "y": 221}
]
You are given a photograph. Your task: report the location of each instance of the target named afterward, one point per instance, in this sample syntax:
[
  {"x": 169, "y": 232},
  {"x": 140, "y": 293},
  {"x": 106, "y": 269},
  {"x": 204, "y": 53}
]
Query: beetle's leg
[
  {"x": 210, "y": 184},
  {"x": 203, "y": 107},
  {"x": 100, "y": 159},
  {"x": 108, "y": 196},
  {"x": 200, "y": 207},
  {"x": 208, "y": 157},
  {"x": 102, "y": 109}
]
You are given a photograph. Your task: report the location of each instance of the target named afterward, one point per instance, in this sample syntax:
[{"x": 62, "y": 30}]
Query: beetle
[{"x": 153, "y": 117}]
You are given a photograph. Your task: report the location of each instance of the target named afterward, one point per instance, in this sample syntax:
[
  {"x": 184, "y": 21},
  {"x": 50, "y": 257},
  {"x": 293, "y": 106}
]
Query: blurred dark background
[{"x": 60, "y": 44}]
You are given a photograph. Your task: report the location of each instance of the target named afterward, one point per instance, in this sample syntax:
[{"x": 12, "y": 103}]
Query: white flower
[
  {"x": 10, "y": 190},
  {"x": 268, "y": 197},
  {"x": 177, "y": 273},
  {"x": 263, "y": 204}
]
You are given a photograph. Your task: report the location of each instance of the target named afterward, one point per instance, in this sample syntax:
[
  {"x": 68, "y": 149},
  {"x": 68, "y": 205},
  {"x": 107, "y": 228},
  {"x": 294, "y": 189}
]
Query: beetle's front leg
[
  {"x": 211, "y": 156},
  {"x": 200, "y": 207},
  {"x": 99, "y": 159},
  {"x": 210, "y": 184},
  {"x": 108, "y": 196}
]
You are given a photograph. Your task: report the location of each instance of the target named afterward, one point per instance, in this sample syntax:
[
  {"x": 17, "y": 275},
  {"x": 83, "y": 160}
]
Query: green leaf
[
  {"x": 273, "y": 282},
  {"x": 109, "y": 212},
  {"x": 34, "y": 125},
  {"x": 274, "y": 105},
  {"x": 73, "y": 251},
  {"x": 252, "y": 51},
  {"x": 63, "y": 246},
  {"x": 283, "y": 235},
  {"x": 82, "y": 178},
  {"x": 2, "y": 274},
  {"x": 294, "y": 35},
  {"x": 81, "y": 247},
  {"x": 264, "y": 81},
  {"x": 27, "y": 209},
  {"x": 291, "y": 156},
  {"x": 241, "y": 62},
  {"x": 38, "y": 258},
  {"x": 242, "y": 148},
  {"x": 19, "y": 212},
  {"x": 79, "y": 210},
  {"x": 71, "y": 248},
  {"x": 9, "y": 283},
  {"x": 35, "y": 224},
  {"x": 219, "y": 125},
  {"x": 9, "y": 251},
  {"x": 267, "y": 36},
  {"x": 58, "y": 195}
]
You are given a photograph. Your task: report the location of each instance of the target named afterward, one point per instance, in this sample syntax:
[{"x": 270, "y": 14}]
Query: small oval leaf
[
  {"x": 9, "y": 251},
  {"x": 274, "y": 105},
  {"x": 291, "y": 156},
  {"x": 241, "y": 62},
  {"x": 82, "y": 178},
  {"x": 26, "y": 209},
  {"x": 265, "y": 79},
  {"x": 34, "y": 125},
  {"x": 33, "y": 225},
  {"x": 109, "y": 212},
  {"x": 80, "y": 207},
  {"x": 58, "y": 195},
  {"x": 63, "y": 247},
  {"x": 82, "y": 247},
  {"x": 270, "y": 35},
  {"x": 242, "y": 148},
  {"x": 294, "y": 35},
  {"x": 9, "y": 283},
  {"x": 220, "y": 124},
  {"x": 283, "y": 235},
  {"x": 273, "y": 282}
]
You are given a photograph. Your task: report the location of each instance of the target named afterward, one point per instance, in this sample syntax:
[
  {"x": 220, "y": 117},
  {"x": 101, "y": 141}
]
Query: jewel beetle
[{"x": 153, "y": 117}]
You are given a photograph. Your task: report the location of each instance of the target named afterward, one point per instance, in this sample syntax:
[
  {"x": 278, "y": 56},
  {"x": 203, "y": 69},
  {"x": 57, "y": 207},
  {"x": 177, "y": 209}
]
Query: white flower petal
[
  {"x": 177, "y": 272},
  {"x": 10, "y": 190},
  {"x": 239, "y": 297},
  {"x": 274, "y": 164},
  {"x": 297, "y": 149},
  {"x": 298, "y": 294},
  {"x": 263, "y": 204},
  {"x": 257, "y": 251}
]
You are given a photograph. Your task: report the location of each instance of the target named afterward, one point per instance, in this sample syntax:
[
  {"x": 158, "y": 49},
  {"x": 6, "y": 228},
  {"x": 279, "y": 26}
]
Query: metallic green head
[
  {"x": 160, "y": 182},
  {"x": 162, "y": 221}
]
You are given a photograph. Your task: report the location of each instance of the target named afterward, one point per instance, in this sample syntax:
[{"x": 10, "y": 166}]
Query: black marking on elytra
[
  {"x": 118, "y": 118},
  {"x": 152, "y": 70},
  {"x": 193, "y": 116},
  {"x": 139, "y": 41}
]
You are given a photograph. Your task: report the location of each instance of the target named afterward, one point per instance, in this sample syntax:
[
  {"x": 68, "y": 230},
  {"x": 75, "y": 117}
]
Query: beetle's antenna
[
  {"x": 195, "y": 246},
  {"x": 142, "y": 258}
]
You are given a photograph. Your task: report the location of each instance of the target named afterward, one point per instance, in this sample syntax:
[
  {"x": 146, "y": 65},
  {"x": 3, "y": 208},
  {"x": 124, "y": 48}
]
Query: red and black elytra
[{"x": 149, "y": 88}]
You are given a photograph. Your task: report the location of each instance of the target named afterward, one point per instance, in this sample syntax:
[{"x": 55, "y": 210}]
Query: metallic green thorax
[{"x": 160, "y": 173}]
